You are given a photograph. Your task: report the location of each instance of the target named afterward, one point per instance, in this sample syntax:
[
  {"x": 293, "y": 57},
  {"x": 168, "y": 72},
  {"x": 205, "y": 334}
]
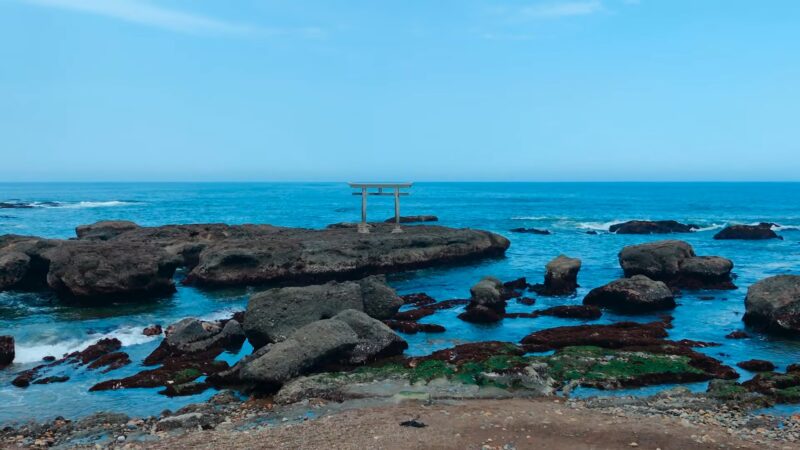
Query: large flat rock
[{"x": 120, "y": 258}]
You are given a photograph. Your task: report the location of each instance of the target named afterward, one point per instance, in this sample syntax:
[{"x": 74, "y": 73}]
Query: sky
[{"x": 416, "y": 90}]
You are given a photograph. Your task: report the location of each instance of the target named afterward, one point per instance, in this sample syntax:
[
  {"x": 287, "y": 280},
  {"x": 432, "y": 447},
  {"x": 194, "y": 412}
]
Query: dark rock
[
  {"x": 410, "y": 327},
  {"x": 380, "y": 301},
  {"x": 376, "y": 340},
  {"x": 526, "y": 301},
  {"x": 748, "y": 232},
  {"x": 193, "y": 335},
  {"x": 592, "y": 232},
  {"x": 414, "y": 314},
  {"x": 651, "y": 227},
  {"x": 471, "y": 352},
  {"x": 560, "y": 278},
  {"x": 7, "y": 352},
  {"x": 418, "y": 299},
  {"x": 49, "y": 358},
  {"x": 773, "y": 304},
  {"x": 189, "y": 421},
  {"x": 737, "y": 334},
  {"x": 309, "y": 347},
  {"x": 675, "y": 263},
  {"x": 104, "y": 230},
  {"x": 15, "y": 205},
  {"x": 51, "y": 379},
  {"x": 96, "y": 350},
  {"x": 637, "y": 294},
  {"x": 413, "y": 219},
  {"x": 782, "y": 387},
  {"x": 413, "y": 424},
  {"x": 184, "y": 389},
  {"x": 111, "y": 361},
  {"x": 486, "y": 302},
  {"x": 572, "y": 312},
  {"x": 793, "y": 368},
  {"x": 447, "y": 304},
  {"x": 518, "y": 284},
  {"x": 152, "y": 330},
  {"x": 530, "y": 231},
  {"x": 757, "y": 365}
]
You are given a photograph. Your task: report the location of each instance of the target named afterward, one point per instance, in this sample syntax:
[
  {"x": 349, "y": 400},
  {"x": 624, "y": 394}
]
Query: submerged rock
[
  {"x": 651, "y": 227},
  {"x": 737, "y": 334},
  {"x": 530, "y": 231},
  {"x": 411, "y": 327},
  {"x": 773, "y": 304},
  {"x": 637, "y": 294},
  {"x": 560, "y": 278},
  {"x": 675, "y": 263},
  {"x": 6, "y": 350},
  {"x": 274, "y": 314},
  {"x": 748, "y": 232}
]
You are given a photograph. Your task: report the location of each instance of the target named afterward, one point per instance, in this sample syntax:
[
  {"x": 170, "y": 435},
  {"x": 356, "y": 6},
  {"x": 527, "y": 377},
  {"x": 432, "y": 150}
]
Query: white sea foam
[
  {"x": 715, "y": 226},
  {"x": 598, "y": 226},
  {"x": 29, "y": 352},
  {"x": 78, "y": 205}
]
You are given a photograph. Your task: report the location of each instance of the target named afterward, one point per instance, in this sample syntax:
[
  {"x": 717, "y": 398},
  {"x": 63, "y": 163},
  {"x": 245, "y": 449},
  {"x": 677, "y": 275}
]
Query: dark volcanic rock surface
[
  {"x": 530, "y": 231},
  {"x": 414, "y": 219},
  {"x": 7, "y": 351},
  {"x": 487, "y": 303},
  {"x": 651, "y": 227}
]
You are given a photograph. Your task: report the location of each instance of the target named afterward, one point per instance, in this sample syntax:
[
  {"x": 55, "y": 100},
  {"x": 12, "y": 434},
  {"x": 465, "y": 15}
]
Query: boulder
[
  {"x": 6, "y": 350},
  {"x": 748, "y": 232},
  {"x": 675, "y": 263},
  {"x": 274, "y": 314},
  {"x": 757, "y": 365},
  {"x": 104, "y": 230},
  {"x": 380, "y": 301},
  {"x": 192, "y": 335},
  {"x": 560, "y": 278},
  {"x": 487, "y": 303},
  {"x": 376, "y": 340},
  {"x": 651, "y": 227},
  {"x": 309, "y": 347},
  {"x": 152, "y": 330},
  {"x": 774, "y": 304},
  {"x": 413, "y": 219},
  {"x": 89, "y": 270},
  {"x": 637, "y": 294}
]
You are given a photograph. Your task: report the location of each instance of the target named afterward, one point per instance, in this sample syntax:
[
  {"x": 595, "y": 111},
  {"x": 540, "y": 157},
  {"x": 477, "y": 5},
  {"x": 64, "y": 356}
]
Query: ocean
[{"x": 42, "y": 325}]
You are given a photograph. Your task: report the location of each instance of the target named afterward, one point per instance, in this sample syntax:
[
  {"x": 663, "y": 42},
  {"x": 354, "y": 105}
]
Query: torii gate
[{"x": 378, "y": 189}]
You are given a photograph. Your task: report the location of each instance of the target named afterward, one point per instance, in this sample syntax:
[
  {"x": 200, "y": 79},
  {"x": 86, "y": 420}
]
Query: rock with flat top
[
  {"x": 773, "y": 304},
  {"x": 637, "y": 294},
  {"x": 676, "y": 264},
  {"x": 560, "y": 278}
]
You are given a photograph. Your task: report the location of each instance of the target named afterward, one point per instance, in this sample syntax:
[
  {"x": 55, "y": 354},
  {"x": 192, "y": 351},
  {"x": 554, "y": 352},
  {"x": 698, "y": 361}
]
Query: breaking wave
[{"x": 56, "y": 346}]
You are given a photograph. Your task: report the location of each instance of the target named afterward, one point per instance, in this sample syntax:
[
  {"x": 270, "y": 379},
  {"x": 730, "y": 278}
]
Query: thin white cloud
[
  {"x": 148, "y": 14},
  {"x": 561, "y": 9}
]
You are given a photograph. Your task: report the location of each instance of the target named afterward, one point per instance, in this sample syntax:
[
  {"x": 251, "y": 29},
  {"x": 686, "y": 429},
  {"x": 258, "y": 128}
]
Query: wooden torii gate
[{"x": 367, "y": 189}]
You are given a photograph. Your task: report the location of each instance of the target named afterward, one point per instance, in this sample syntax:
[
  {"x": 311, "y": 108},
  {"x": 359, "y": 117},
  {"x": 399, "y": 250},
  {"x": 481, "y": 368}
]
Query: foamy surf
[{"x": 28, "y": 352}]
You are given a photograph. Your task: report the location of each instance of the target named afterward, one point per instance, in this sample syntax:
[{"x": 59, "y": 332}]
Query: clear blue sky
[{"x": 405, "y": 89}]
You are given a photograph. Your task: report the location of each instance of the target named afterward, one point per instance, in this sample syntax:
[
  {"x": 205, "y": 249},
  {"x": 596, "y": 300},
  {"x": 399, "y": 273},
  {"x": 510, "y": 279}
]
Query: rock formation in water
[
  {"x": 117, "y": 259},
  {"x": 637, "y": 294},
  {"x": 651, "y": 227},
  {"x": 560, "y": 278},
  {"x": 773, "y": 304},
  {"x": 675, "y": 263},
  {"x": 748, "y": 232}
]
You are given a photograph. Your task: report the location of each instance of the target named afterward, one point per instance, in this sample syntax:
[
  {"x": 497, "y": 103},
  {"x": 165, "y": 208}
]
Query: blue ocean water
[{"x": 43, "y": 326}]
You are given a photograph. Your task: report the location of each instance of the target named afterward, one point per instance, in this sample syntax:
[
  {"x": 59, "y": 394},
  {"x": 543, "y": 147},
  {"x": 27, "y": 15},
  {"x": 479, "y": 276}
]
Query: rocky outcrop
[
  {"x": 648, "y": 338},
  {"x": 637, "y": 294},
  {"x": 748, "y": 232},
  {"x": 309, "y": 347},
  {"x": 274, "y": 314},
  {"x": 530, "y": 231},
  {"x": 152, "y": 330},
  {"x": 675, "y": 263},
  {"x": 90, "y": 270},
  {"x": 376, "y": 340},
  {"x": 7, "y": 351},
  {"x": 487, "y": 303},
  {"x": 414, "y": 219},
  {"x": 121, "y": 259},
  {"x": 560, "y": 278},
  {"x": 104, "y": 230},
  {"x": 651, "y": 227},
  {"x": 773, "y": 304},
  {"x": 192, "y": 335}
]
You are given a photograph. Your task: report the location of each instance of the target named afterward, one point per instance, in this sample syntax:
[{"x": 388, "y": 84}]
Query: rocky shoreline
[{"x": 323, "y": 325}]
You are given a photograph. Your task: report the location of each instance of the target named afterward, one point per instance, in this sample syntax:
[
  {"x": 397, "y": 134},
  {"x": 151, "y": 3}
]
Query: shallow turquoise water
[{"x": 42, "y": 326}]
